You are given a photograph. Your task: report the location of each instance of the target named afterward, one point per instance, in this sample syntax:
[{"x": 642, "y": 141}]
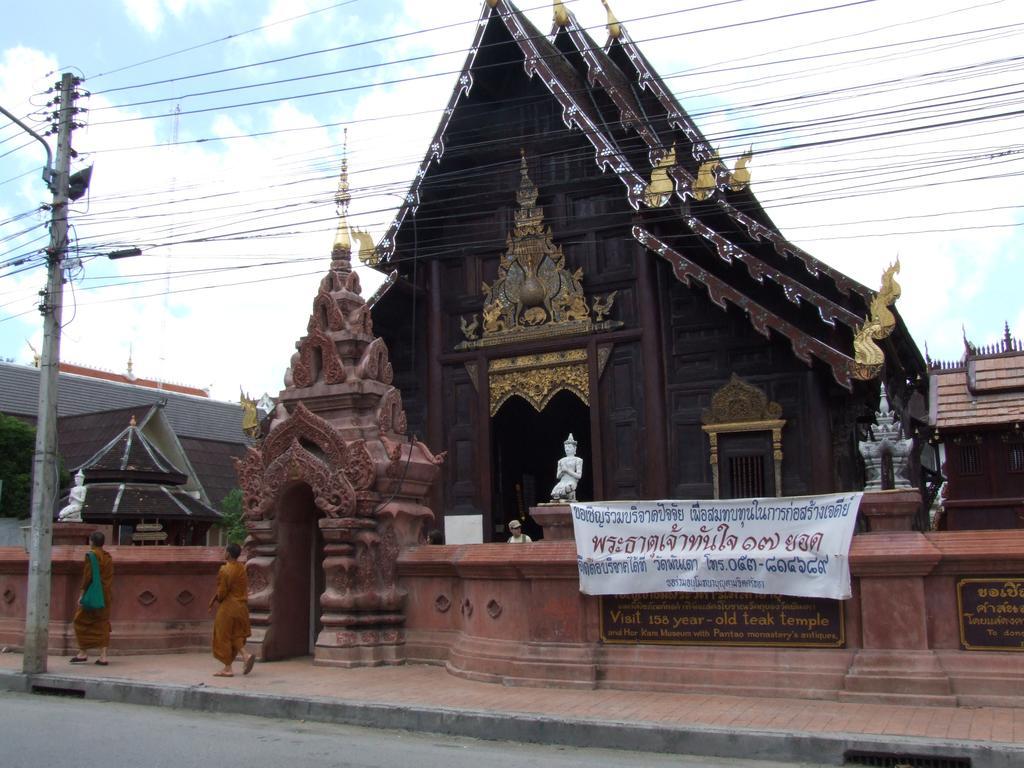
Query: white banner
[{"x": 795, "y": 545}]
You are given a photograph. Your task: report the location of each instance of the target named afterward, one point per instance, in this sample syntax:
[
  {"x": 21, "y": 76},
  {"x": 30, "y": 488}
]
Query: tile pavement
[{"x": 428, "y": 698}]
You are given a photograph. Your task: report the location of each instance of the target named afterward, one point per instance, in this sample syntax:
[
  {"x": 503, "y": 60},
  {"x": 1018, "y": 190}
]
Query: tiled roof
[
  {"x": 190, "y": 416},
  {"x": 136, "y": 501},
  {"x": 97, "y": 373},
  {"x": 998, "y": 396},
  {"x": 130, "y": 457},
  {"x": 998, "y": 373},
  {"x": 214, "y": 463}
]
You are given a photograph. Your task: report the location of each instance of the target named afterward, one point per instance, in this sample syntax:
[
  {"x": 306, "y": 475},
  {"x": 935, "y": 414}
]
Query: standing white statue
[
  {"x": 568, "y": 473},
  {"x": 72, "y": 513}
]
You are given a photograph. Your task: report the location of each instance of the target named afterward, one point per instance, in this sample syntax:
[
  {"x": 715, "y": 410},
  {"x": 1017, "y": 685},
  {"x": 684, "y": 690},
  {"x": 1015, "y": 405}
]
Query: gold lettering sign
[{"x": 991, "y": 613}]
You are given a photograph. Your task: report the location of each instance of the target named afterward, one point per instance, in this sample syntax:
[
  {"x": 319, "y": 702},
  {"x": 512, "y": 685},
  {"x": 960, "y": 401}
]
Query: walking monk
[
  {"x": 92, "y": 625},
  {"x": 231, "y": 624}
]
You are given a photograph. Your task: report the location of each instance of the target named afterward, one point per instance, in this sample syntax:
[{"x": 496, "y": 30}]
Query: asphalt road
[{"x": 53, "y": 732}]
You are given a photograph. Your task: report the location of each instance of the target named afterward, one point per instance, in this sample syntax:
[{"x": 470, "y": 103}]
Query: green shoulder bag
[{"x": 92, "y": 598}]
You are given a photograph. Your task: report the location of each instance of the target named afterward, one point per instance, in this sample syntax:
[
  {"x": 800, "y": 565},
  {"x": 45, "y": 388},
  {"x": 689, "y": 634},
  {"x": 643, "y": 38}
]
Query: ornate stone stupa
[{"x": 340, "y": 431}]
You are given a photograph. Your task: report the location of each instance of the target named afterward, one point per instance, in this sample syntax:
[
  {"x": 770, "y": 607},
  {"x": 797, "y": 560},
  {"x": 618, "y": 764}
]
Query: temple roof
[
  {"x": 138, "y": 501},
  {"x": 984, "y": 388},
  {"x": 732, "y": 248},
  {"x": 130, "y": 457}
]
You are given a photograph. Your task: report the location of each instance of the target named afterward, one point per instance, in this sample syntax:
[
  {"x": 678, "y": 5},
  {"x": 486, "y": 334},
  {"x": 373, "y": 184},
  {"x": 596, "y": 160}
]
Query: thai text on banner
[{"x": 794, "y": 545}]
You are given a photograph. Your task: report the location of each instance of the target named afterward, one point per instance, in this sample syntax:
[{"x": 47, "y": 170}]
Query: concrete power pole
[{"x": 45, "y": 467}]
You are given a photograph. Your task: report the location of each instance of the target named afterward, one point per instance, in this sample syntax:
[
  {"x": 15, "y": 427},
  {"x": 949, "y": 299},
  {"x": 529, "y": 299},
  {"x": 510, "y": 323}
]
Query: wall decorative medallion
[
  {"x": 185, "y": 597},
  {"x": 9, "y": 595},
  {"x": 494, "y": 609},
  {"x": 147, "y": 598},
  {"x": 442, "y": 604},
  {"x": 535, "y": 295},
  {"x": 538, "y": 378}
]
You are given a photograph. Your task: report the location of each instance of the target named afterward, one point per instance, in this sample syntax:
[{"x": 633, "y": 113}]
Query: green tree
[
  {"x": 17, "y": 447},
  {"x": 233, "y": 524}
]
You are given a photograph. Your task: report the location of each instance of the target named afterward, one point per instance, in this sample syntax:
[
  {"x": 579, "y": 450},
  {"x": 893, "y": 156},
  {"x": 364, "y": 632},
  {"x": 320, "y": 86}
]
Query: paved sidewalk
[{"x": 429, "y": 699}]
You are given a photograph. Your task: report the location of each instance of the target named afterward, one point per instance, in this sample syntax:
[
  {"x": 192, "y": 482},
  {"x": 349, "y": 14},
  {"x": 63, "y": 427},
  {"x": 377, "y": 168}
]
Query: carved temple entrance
[
  {"x": 334, "y": 490},
  {"x": 526, "y": 447},
  {"x": 300, "y": 579}
]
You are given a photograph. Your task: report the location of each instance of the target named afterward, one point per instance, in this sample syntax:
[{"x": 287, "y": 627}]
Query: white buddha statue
[
  {"x": 72, "y": 513},
  {"x": 568, "y": 473}
]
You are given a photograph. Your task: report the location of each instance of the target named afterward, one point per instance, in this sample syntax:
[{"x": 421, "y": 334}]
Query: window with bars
[
  {"x": 970, "y": 459},
  {"x": 1016, "y": 457},
  {"x": 746, "y": 476}
]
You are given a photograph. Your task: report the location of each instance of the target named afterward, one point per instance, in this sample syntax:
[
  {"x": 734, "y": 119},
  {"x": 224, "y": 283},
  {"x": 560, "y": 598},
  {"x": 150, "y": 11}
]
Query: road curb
[{"x": 704, "y": 741}]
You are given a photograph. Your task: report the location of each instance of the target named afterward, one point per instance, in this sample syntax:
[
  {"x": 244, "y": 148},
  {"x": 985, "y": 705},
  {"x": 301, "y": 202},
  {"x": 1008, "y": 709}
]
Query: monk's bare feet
[{"x": 224, "y": 673}]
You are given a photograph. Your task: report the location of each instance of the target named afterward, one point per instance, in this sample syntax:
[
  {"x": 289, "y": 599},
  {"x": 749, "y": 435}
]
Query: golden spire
[
  {"x": 614, "y": 28},
  {"x": 131, "y": 421},
  {"x": 342, "y": 240},
  {"x": 561, "y": 15}
]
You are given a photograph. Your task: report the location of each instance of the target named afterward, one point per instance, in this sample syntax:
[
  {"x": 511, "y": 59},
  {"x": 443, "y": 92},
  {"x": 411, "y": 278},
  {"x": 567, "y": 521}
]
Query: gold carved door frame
[{"x": 538, "y": 378}]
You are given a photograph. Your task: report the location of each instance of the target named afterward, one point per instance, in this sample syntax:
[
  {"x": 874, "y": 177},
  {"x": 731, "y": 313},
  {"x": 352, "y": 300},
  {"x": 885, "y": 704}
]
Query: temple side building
[
  {"x": 977, "y": 410},
  {"x": 573, "y": 256}
]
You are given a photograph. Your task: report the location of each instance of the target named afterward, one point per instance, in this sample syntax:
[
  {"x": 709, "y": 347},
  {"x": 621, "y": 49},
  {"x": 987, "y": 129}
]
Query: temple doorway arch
[
  {"x": 299, "y": 576},
  {"x": 526, "y": 446}
]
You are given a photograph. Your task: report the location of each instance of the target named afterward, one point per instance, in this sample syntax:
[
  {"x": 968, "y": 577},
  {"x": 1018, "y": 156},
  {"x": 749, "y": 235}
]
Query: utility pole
[{"x": 45, "y": 467}]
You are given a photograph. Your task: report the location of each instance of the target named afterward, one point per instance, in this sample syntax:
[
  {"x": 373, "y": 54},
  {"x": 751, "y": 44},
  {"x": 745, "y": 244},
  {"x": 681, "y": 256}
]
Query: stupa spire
[{"x": 341, "y": 252}]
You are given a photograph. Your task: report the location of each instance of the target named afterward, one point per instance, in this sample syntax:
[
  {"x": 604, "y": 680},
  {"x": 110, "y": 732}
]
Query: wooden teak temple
[{"x": 574, "y": 256}]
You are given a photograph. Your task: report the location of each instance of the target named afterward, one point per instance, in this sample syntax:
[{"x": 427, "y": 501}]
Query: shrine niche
[
  {"x": 741, "y": 409},
  {"x": 334, "y": 490}
]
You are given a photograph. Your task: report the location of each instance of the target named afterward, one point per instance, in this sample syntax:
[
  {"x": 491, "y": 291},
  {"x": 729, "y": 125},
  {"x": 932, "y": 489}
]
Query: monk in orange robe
[
  {"x": 92, "y": 627},
  {"x": 231, "y": 624}
]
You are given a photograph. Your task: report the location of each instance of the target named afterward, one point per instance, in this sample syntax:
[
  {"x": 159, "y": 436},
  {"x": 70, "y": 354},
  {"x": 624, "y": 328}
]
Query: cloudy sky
[{"x": 881, "y": 128}]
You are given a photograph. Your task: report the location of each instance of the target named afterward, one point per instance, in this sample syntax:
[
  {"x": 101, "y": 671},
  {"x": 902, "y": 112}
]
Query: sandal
[
  {"x": 249, "y": 664},
  {"x": 79, "y": 660},
  {"x": 102, "y": 663},
  {"x": 223, "y": 674}
]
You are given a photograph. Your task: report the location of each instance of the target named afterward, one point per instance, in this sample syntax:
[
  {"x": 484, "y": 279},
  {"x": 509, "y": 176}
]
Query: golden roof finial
[
  {"x": 131, "y": 421},
  {"x": 614, "y": 28},
  {"x": 561, "y": 15},
  {"x": 342, "y": 240},
  {"x": 130, "y": 375},
  {"x": 35, "y": 354},
  {"x": 660, "y": 190},
  {"x": 739, "y": 178},
  {"x": 492, "y": 3}
]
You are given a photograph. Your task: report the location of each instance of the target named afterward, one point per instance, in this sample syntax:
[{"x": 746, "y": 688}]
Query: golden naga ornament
[
  {"x": 661, "y": 187},
  {"x": 561, "y": 15},
  {"x": 534, "y": 294},
  {"x": 707, "y": 178},
  {"x": 739, "y": 179},
  {"x": 250, "y": 416},
  {"x": 868, "y": 357},
  {"x": 614, "y": 28}
]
